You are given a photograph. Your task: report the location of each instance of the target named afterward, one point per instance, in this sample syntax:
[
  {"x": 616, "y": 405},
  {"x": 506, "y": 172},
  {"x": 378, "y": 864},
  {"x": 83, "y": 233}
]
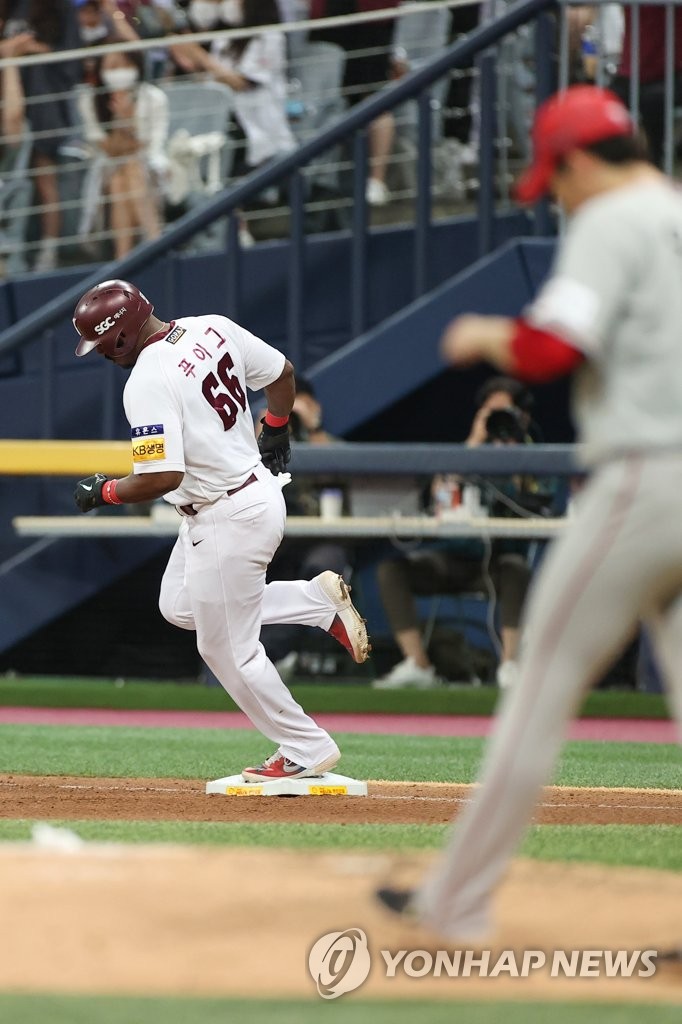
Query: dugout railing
[{"x": 351, "y": 129}]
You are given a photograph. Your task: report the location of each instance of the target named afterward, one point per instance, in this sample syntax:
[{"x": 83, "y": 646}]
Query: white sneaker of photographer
[
  {"x": 507, "y": 674},
  {"x": 287, "y": 666},
  {"x": 408, "y": 674}
]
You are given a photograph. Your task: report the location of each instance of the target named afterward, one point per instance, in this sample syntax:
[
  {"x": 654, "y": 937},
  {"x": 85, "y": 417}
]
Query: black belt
[{"x": 190, "y": 510}]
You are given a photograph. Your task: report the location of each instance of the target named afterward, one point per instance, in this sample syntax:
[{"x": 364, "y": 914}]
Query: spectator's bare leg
[
  {"x": 381, "y": 135},
  {"x": 122, "y": 224},
  {"x": 412, "y": 646},
  {"x": 143, "y": 200},
  {"x": 395, "y": 579},
  {"x": 48, "y": 197},
  {"x": 510, "y": 643}
]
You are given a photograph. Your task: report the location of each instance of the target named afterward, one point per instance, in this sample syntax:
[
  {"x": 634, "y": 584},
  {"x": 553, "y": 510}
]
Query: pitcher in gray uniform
[{"x": 611, "y": 313}]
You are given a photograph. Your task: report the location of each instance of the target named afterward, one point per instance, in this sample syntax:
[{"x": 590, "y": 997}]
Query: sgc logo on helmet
[
  {"x": 105, "y": 325},
  {"x": 108, "y": 323}
]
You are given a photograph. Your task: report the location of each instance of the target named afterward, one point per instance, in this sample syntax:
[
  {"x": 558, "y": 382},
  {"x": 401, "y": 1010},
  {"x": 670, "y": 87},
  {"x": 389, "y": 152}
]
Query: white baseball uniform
[
  {"x": 615, "y": 294},
  {"x": 186, "y": 404}
]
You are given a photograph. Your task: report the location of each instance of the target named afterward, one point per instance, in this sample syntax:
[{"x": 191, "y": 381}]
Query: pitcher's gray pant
[{"x": 619, "y": 561}]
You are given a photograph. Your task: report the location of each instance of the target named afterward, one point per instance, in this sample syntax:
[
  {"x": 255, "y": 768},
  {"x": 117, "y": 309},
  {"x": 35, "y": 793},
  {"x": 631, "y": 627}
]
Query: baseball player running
[
  {"x": 193, "y": 444},
  {"x": 612, "y": 312}
]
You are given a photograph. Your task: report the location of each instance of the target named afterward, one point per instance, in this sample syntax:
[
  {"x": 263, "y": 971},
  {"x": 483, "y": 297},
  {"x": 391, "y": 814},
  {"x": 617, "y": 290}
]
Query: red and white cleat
[
  {"x": 279, "y": 767},
  {"x": 348, "y": 626}
]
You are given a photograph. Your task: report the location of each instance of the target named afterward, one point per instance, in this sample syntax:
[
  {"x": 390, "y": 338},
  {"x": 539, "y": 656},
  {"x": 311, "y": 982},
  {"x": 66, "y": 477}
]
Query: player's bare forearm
[
  {"x": 147, "y": 486},
  {"x": 281, "y": 394},
  {"x": 472, "y": 339},
  {"x": 99, "y": 489}
]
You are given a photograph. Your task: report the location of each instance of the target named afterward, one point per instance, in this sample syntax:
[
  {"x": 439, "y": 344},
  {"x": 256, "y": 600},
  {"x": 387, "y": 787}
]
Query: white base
[{"x": 328, "y": 784}]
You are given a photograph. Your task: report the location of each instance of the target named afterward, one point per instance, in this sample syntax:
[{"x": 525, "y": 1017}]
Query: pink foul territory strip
[{"x": 621, "y": 730}]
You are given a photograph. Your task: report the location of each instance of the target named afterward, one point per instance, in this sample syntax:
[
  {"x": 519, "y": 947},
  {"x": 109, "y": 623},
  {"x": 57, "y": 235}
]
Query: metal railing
[
  {"x": 83, "y": 173},
  {"x": 291, "y": 169},
  {"x": 652, "y": 84}
]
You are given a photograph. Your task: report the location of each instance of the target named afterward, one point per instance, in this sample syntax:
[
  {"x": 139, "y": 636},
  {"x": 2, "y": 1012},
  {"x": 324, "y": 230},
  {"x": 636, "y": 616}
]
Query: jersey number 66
[{"x": 226, "y": 403}]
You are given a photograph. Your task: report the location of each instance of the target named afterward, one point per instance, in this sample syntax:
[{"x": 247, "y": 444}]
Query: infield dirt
[
  {"x": 49, "y": 797},
  {"x": 240, "y": 922}
]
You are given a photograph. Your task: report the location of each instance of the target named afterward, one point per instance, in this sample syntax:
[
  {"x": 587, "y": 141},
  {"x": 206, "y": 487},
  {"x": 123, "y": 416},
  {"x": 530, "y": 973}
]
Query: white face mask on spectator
[
  {"x": 120, "y": 79},
  {"x": 93, "y": 33},
  {"x": 231, "y": 12},
  {"x": 203, "y": 14}
]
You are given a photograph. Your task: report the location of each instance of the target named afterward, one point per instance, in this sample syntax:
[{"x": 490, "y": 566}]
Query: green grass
[
  {"x": 652, "y": 846},
  {"x": 212, "y": 753},
  {"x": 24, "y": 1009},
  {"x": 463, "y": 700},
  {"x": 644, "y": 846}
]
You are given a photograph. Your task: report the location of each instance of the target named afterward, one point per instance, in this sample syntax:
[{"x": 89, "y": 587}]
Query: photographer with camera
[{"x": 464, "y": 565}]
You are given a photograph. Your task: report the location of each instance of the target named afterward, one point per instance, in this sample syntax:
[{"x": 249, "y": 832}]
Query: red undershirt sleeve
[{"x": 539, "y": 356}]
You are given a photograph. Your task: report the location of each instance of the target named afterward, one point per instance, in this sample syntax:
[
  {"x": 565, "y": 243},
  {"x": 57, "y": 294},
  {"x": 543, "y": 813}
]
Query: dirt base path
[
  {"x": 28, "y": 796},
  {"x": 198, "y": 921}
]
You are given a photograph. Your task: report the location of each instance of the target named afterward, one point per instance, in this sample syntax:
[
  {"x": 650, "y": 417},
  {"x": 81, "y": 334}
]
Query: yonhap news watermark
[{"x": 340, "y": 962}]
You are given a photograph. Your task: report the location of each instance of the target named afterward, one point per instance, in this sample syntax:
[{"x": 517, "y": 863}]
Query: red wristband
[
  {"x": 539, "y": 356},
  {"x": 275, "y": 421},
  {"x": 109, "y": 494}
]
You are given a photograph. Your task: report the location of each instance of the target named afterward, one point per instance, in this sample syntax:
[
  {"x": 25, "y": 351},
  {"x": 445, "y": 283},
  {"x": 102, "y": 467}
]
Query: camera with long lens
[{"x": 505, "y": 425}]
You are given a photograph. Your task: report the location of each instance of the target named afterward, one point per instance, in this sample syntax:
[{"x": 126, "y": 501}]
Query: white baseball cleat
[{"x": 348, "y": 626}]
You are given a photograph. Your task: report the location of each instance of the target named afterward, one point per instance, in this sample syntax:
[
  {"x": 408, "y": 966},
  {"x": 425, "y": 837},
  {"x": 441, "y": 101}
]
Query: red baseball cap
[{"x": 577, "y": 117}]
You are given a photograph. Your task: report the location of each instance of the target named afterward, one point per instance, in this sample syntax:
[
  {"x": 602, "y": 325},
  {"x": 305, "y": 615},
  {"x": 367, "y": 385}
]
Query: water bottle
[
  {"x": 471, "y": 500},
  {"x": 447, "y": 496},
  {"x": 295, "y": 105}
]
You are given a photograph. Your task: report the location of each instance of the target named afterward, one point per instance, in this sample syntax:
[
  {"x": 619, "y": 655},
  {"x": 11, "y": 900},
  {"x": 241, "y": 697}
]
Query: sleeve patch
[
  {"x": 148, "y": 442},
  {"x": 153, "y": 430}
]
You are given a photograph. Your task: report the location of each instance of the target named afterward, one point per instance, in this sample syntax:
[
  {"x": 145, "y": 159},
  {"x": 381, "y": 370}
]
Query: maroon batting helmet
[{"x": 110, "y": 317}]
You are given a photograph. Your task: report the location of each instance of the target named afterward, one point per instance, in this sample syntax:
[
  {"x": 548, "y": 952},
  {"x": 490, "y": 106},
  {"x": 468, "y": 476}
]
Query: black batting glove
[
  {"x": 275, "y": 447},
  {"x": 88, "y": 493}
]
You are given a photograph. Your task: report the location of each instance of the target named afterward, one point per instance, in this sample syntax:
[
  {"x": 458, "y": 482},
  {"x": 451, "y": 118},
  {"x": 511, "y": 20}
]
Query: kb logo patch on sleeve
[{"x": 148, "y": 442}]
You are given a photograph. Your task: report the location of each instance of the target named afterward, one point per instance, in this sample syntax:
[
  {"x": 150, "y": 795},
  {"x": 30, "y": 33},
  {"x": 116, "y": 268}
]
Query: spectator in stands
[
  {"x": 47, "y": 89},
  {"x": 652, "y": 49},
  {"x": 365, "y": 74},
  {"x": 457, "y": 119},
  {"x": 12, "y": 100},
  {"x": 457, "y": 566},
  {"x": 93, "y": 25},
  {"x": 12, "y": 108},
  {"x": 255, "y": 68},
  {"x": 126, "y": 120},
  {"x": 102, "y": 19}
]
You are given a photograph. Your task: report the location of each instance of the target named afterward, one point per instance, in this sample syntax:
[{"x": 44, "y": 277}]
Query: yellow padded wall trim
[{"x": 64, "y": 458}]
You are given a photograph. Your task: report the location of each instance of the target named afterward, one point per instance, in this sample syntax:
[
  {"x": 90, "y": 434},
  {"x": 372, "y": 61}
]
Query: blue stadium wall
[{"x": 47, "y": 583}]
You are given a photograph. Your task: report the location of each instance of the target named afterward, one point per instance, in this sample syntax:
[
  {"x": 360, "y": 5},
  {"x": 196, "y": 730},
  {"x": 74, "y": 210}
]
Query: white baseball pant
[
  {"x": 619, "y": 562},
  {"x": 214, "y": 583}
]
